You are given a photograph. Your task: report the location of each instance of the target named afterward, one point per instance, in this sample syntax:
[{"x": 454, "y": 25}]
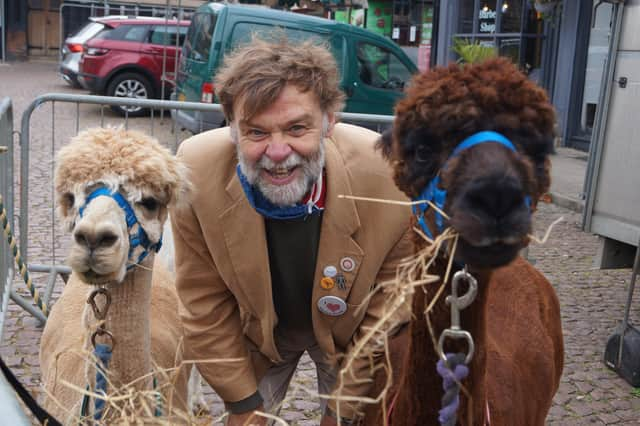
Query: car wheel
[{"x": 130, "y": 85}]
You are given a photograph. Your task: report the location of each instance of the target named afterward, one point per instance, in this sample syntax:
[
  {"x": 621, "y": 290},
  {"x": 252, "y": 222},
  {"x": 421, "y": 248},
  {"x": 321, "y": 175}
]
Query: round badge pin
[
  {"x": 332, "y": 306},
  {"x": 330, "y": 271},
  {"x": 327, "y": 283},
  {"x": 347, "y": 264}
]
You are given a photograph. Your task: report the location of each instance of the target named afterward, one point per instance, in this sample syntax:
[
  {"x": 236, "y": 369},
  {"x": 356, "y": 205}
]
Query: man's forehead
[{"x": 294, "y": 100}]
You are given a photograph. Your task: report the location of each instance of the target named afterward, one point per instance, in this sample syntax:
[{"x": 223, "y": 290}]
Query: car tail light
[
  {"x": 208, "y": 91},
  {"x": 74, "y": 47},
  {"x": 96, "y": 51}
]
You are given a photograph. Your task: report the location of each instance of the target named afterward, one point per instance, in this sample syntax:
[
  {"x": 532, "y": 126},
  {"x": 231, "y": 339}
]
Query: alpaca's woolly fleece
[{"x": 126, "y": 158}]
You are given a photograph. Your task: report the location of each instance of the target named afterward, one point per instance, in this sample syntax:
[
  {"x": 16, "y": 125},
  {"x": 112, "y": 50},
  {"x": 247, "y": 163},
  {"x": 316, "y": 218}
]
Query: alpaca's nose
[
  {"x": 496, "y": 198},
  {"x": 95, "y": 239}
]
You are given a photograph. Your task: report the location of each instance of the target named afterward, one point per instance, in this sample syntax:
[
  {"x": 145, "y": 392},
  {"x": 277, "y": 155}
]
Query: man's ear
[
  {"x": 384, "y": 143},
  {"x": 328, "y": 123}
]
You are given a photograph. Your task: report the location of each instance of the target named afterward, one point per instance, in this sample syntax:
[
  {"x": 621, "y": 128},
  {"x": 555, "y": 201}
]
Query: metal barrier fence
[
  {"x": 6, "y": 192},
  {"x": 36, "y": 174}
]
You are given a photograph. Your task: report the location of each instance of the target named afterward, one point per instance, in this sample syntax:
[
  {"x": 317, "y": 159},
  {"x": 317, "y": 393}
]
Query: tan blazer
[{"x": 222, "y": 264}]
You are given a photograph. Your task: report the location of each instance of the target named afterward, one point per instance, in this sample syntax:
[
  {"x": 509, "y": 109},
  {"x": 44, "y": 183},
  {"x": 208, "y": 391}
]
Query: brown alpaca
[{"x": 515, "y": 318}]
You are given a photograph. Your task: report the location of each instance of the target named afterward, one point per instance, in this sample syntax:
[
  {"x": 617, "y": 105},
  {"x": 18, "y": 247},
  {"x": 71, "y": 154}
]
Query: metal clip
[
  {"x": 102, "y": 332},
  {"x": 100, "y": 315},
  {"x": 457, "y": 304}
]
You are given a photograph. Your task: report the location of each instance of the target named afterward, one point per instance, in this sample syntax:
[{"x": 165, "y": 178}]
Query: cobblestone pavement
[{"x": 592, "y": 301}]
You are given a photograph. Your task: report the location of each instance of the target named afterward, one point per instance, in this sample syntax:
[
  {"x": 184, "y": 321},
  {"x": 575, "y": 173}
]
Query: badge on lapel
[{"x": 332, "y": 306}]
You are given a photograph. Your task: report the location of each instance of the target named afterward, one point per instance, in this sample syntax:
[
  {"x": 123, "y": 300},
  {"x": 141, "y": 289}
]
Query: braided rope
[
  {"x": 452, "y": 371},
  {"x": 22, "y": 267}
]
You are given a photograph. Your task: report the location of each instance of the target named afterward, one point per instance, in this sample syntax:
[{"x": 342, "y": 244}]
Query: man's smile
[{"x": 281, "y": 175}]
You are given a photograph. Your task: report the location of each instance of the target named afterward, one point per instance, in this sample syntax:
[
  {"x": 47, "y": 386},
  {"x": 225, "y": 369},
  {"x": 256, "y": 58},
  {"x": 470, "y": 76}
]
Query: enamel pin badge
[
  {"x": 330, "y": 271},
  {"x": 332, "y": 306},
  {"x": 327, "y": 283},
  {"x": 341, "y": 281},
  {"x": 347, "y": 264}
]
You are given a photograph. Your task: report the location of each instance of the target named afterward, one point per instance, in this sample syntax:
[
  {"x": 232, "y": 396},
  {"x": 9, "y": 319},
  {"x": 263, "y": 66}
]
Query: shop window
[
  {"x": 487, "y": 17},
  {"x": 511, "y": 13},
  {"x": 465, "y": 23},
  {"x": 509, "y": 25}
]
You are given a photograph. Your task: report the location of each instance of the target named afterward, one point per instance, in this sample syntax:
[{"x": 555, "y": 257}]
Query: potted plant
[{"x": 471, "y": 52}]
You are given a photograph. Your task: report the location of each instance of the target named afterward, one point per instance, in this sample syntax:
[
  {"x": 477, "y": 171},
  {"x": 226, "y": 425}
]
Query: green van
[{"x": 374, "y": 70}]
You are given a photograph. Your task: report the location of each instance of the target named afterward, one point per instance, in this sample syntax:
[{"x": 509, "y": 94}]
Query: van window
[
  {"x": 244, "y": 31},
  {"x": 198, "y": 42},
  {"x": 380, "y": 68},
  {"x": 166, "y": 35}
]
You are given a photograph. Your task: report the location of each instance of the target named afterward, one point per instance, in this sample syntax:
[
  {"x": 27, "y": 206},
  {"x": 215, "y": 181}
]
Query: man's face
[{"x": 281, "y": 150}]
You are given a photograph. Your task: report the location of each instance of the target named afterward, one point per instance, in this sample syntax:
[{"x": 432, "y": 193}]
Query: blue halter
[
  {"x": 135, "y": 239},
  {"x": 438, "y": 196}
]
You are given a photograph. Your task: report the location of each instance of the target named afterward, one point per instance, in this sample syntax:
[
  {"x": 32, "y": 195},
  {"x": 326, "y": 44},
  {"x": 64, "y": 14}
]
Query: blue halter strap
[
  {"x": 136, "y": 239},
  {"x": 438, "y": 196}
]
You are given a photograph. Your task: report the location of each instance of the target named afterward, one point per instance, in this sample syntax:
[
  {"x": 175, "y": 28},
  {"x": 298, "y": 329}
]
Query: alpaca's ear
[
  {"x": 384, "y": 143},
  {"x": 66, "y": 209}
]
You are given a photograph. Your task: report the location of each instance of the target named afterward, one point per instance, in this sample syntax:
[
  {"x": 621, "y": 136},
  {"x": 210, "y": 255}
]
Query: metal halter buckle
[
  {"x": 457, "y": 304},
  {"x": 101, "y": 315}
]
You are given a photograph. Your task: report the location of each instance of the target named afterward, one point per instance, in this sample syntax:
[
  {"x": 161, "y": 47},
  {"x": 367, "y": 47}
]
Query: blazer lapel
[
  {"x": 245, "y": 238},
  {"x": 337, "y": 247}
]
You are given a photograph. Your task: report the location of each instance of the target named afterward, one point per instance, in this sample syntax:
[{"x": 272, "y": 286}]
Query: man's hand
[
  {"x": 328, "y": 421},
  {"x": 249, "y": 418}
]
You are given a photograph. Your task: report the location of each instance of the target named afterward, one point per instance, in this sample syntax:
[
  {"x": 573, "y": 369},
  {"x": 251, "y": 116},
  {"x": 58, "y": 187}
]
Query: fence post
[{"x": 6, "y": 191}]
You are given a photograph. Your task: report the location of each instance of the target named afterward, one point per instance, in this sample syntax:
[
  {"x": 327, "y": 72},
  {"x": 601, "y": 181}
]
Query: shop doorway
[{"x": 591, "y": 53}]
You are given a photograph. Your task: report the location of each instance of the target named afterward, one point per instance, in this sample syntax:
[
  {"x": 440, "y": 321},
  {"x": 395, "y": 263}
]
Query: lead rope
[
  {"x": 101, "y": 351},
  {"x": 453, "y": 368}
]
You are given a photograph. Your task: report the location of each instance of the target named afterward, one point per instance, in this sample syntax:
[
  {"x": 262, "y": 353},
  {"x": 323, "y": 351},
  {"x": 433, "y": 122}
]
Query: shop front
[{"x": 514, "y": 28}]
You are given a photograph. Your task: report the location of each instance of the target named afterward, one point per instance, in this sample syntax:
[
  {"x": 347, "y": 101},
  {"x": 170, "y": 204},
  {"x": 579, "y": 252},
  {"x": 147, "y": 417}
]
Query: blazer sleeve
[
  {"x": 210, "y": 314},
  {"x": 356, "y": 372}
]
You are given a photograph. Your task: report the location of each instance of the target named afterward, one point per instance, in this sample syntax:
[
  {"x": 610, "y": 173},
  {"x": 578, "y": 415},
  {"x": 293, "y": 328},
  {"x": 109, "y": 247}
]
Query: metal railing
[
  {"x": 70, "y": 120},
  {"x": 6, "y": 191}
]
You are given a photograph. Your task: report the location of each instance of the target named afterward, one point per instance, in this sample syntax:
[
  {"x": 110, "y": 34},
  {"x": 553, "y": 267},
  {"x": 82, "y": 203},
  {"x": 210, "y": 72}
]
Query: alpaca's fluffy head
[
  {"x": 131, "y": 163},
  {"x": 486, "y": 184}
]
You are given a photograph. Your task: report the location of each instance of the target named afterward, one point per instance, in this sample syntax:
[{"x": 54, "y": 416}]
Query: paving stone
[{"x": 609, "y": 418}]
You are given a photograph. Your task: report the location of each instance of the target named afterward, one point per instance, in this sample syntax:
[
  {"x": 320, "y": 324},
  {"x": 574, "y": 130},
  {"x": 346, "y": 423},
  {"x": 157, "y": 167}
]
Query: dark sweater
[{"x": 293, "y": 250}]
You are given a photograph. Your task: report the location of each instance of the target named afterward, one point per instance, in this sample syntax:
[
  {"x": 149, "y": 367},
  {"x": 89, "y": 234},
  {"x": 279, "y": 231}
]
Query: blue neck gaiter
[{"x": 267, "y": 209}]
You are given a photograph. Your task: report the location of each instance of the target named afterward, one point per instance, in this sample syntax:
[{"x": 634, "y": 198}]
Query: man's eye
[
  {"x": 256, "y": 134},
  {"x": 297, "y": 129}
]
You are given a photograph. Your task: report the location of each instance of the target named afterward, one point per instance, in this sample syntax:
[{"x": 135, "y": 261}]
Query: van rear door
[
  {"x": 380, "y": 77},
  {"x": 194, "y": 68}
]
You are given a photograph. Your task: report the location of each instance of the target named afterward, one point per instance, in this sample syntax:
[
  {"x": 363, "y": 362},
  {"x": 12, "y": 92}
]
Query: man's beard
[{"x": 292, "y": 193}]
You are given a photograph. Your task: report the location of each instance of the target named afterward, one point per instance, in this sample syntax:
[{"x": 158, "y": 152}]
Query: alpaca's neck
[
  {"x": 128, "y": 322},
  {"x": 420, "y": 390}
]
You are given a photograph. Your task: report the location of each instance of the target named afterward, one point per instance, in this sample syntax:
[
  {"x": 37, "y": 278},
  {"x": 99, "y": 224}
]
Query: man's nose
[{"x": 278, "y": 151}]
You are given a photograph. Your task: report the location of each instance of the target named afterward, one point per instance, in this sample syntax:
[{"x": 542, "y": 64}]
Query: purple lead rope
[{"x": 453, "y": 371}]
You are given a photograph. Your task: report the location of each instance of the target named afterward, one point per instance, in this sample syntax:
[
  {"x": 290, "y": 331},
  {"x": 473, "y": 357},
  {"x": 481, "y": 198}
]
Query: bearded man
[{"x": 270, "y": 261}]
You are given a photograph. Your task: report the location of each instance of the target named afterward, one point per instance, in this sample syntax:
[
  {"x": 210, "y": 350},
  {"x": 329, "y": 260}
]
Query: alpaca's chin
[
  {"x": 91, "y": 277},
  {"x": 491, "y": 256}
]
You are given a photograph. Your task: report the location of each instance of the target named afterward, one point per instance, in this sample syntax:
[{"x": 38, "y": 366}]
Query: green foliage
[
  {"x": 472, "y": 52},
  {"x": 635, "y": 392}
]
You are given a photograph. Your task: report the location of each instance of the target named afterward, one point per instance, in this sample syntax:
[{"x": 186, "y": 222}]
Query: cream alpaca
[{"x": 143, "y": 314}]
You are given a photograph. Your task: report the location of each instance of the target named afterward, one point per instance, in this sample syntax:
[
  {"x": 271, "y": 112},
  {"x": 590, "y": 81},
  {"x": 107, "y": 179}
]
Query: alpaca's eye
[
  {"x": 149, "y": 203},
  {"x": 423, "y": 154},
  {"x": 68, "y": 199}
]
